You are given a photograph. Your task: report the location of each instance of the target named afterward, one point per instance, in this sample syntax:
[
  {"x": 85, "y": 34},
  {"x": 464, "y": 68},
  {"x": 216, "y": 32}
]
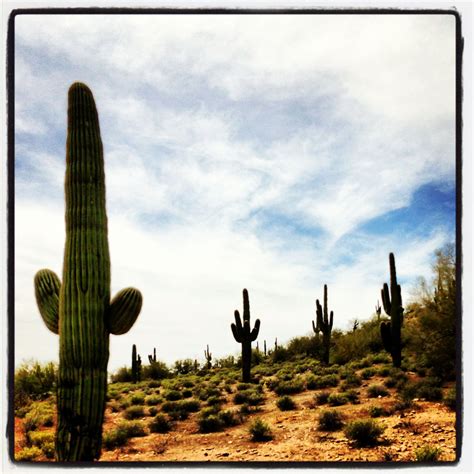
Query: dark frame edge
[{"x": 10, "y": 66}]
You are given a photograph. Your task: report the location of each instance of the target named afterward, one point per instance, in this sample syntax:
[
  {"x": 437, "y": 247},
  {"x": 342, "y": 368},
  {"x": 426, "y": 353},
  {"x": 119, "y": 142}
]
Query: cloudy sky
[{"x": 275, "y": 153}]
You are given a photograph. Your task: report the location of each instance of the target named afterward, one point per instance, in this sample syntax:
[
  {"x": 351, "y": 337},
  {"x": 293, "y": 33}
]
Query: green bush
[
  {"x": 172, "y": 395},
  {"x": 427, "y": 453},
  {"x": 124, "y": 374},
  {"x": 286, "y": 403},
  {"x": 450, "y": 399},
  {"x": 260, "y": 431},
  {"x": 39, "y": 414},
  {"x": 321, "y": 398},
  {"x": 325, "y": 381},
  {"x": 250, "y": 397},
  {"x": 134, "y": 412},
  {"x": 39, "y": 438},
  {"x": 330, "y": 420},
  {"x": 159, "y": 424},
  {"x": 289, "y": 387},
  {"x": 374, "y": 391},
  {"x": 34, "y": 381},
  {"x": 337, "y": 399},
  {"x": 28, "y": 454},
  {"x": 376, "y": 411},
  {"x": 364, "y": 432},
  {"x": 429, "y": 390},
  {"x": 137, "y": 398},
  {"x": 156, "y": 371},
  {"x": 351, "y": 381},
  {"x": 153, "y": 400},
  {"x": 152, "y": 411}
]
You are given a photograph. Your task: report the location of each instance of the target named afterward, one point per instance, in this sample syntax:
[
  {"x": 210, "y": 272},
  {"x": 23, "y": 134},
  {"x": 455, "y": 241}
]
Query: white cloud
[{"x": 188, "y": 172}]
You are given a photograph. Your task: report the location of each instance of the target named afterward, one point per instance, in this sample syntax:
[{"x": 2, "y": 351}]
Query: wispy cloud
[{"x": 240, "y": 151}]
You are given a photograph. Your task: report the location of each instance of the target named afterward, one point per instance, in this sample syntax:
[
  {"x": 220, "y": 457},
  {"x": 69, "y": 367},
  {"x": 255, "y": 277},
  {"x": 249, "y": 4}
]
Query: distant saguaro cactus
[
  {"x": 265, "y": 348},
  {"x": 392, "y": 304},
  {"x": 378, "y": 310},
  {"x": 208, "y": 356},
  {"x": 152, "y": 359},
  {"x": 79, "y": 308},
  {"x": 245, "y": 336},
  {"x": 324, "y": 324},
  {"x": 136, "y": 365}
]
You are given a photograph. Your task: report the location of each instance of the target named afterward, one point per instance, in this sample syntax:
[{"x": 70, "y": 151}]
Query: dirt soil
[{"x": 295, "y": 435}]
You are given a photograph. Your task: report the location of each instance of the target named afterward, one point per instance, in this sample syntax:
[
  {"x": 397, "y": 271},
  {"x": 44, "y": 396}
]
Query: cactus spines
[
  {"x": 79, "y": 308},
  {"x": 245, "y": 336},
  {"x": 324, "y": 324},
  {"x": 392, "y": 305},
  {"x": 208, "y": 356},
  {"x": 152, "y": 358}
]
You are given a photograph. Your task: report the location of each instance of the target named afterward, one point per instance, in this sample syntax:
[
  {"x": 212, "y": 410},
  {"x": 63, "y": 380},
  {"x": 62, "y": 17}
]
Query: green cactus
[
  {"x": 152, "y": 358},
  {"x": 378, "y": 310},
  {"x": 324, "y": 324},
  {"x": 391, "y": 331},
  {"x": 136, "y": 365},
  {"x": 265, "y": 348},
  {"x": 245, "y": 336},
  {"x": 208, "y": 357},
  {"x": 79, "y": 308}
]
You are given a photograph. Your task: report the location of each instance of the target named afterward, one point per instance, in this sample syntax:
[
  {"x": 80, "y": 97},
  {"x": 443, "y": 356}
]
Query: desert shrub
[
  {"x": 215, "y": 400},
  {"x": 430, "y": 390},
  {"x": 154, "y": 383},
  {"x": 351, "y": 381},
  {"x": 384, "y": 371},
  {"x": 28, "y": 454},
  {"x": 427, "y": 453},
  {"x": 114, "y": 439},
  {"x": 325, "y": 381},
  {"x": 152, "y": 411},
  {"x": 381, "y": 358},
  {"x": 172, "y": 395},
  {"x": 124, "y": 374},
  {"x": 124, "y": 404},
  {"x": 156, "y": 371},
  {"x": 48, "y": 449},
  {"x": 364, "y": 432},
  {"x": 137, "y": 398},
  {"x": 330, "y": 420},
  {"x": 285, "y": 403},
  {"x": 39, "y": 414},
  {"x": 34, "y": 381},
  {"x": 39, "y": 438},
  {"x": 153, "y": 400},
  {"x": 352, "y": 395},
  {"x": 308, "y": 346},
  {"x": 280, "y": 355},
  {"x": 184, "y": 367},
  {"x": 244, "y": 386},
  {"x": 179, "y": 415},
  {"x": 207, "y": 392},
  {"x": 209, "y": 420},
  {"x": 187, "y": 393},
  {"x": 376, "y": 411},
  {"x": 133, "y": 429},
  {"x": 450, "y": 399},
  {"x": 321, "y": 398},
  {"x": 368, "y": 373},
  {"x": 159, "y": 424},
  {"x": 189, "y": 405},
  {"x": 134, "y": 412},
  {"x": 374, "y": 391},
  {"x": 250, "y": 397},
  {"x": 229, "y": 418},
  {"x": 260, "y": 431},
  {"x": 337, "y": 399},
  {"x": 289, "y": 387}
]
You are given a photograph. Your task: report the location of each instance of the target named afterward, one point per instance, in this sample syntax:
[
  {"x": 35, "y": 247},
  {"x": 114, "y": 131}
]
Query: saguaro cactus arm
[
  {"x": 254, "y": 333},
  {"x": 47, "y": 287},
  {"x": 124, "y": 310},
  {"x": 237, "y": 329}
]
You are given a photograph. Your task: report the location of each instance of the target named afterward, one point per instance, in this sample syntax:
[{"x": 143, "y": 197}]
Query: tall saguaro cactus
[
  {"x": 245, "y": 336},
  {"x": 136, "y": 365},
  {"x": 392, "y": 305},
  {"x": 324, "y": 324},
  {"x": 152, "y": 358},
  {"x": 208, "y": 356},
  {"x": 79, "y": 308}
]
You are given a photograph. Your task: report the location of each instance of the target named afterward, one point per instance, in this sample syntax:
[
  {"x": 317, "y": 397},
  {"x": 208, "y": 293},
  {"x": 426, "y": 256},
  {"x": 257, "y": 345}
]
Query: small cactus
[
  {"x": 324, "y": 324},
  {"x": 392, "y": 304},
  {"x": 136, "y": 365},
  {"x": 245, "y": 336},
  {"x": 208, "y": 356},
  {"x": 152, "y": 358}
]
